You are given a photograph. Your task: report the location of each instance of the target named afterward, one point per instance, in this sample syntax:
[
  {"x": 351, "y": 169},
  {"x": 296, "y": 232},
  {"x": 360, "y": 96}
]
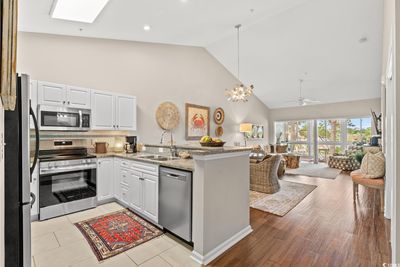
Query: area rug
[
  {"x": 114, "y": 233},
  {"x": 280, "y": 203},
  {"x": 315, "y": 170}
]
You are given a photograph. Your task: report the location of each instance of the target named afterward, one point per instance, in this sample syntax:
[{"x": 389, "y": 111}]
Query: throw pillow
[{"x": 373, "y": 165}]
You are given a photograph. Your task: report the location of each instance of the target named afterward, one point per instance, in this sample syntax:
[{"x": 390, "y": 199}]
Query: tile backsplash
[{"x": 116, "y": 140}]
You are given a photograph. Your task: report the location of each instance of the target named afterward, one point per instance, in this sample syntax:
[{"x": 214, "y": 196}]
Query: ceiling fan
[{"x": 302, "y": 101}]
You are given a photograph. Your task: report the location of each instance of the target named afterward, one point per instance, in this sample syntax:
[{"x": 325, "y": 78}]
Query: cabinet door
[
  {"x": 125, "y": 195},
  {"x": 105, "y": 181},
  {"x": 117, "y": 178},
  {"x": 34, "y": 100},
  {"x": 150, "y": 196},
  {"x": 135, "y": 190},
  {"x": 51, "y": 94},
  {"x": 78, "y": 97},
  {"x": 103, "y": 111},
  {"x": 125, "y": 112}
]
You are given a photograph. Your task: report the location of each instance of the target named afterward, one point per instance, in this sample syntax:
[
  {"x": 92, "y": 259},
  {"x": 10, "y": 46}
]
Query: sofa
[{"x": 348, "y": 161}]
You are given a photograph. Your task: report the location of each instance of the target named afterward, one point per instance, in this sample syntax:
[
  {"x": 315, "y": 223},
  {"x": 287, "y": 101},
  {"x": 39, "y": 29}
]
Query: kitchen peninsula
[{"x": 220, "y": 204}]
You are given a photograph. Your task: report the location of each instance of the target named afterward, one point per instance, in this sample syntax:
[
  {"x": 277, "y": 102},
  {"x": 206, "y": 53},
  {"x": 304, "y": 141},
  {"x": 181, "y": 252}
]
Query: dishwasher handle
[{"x": 174, "y": 176}]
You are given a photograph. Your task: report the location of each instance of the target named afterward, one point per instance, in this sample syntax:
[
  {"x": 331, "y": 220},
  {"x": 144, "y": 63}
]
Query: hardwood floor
[{"x": 325, "y": 229}]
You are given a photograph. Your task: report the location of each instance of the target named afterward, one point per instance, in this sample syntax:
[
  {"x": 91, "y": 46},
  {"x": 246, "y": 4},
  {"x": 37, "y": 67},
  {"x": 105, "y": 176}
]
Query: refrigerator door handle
[
  {"x": 37, "y": 140},
  {"x": 33, "y": 196}
]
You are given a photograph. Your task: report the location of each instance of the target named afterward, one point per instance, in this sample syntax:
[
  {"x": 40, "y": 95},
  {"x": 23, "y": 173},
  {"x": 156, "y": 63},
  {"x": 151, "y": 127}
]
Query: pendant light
[{"x": 239, "y": 92}]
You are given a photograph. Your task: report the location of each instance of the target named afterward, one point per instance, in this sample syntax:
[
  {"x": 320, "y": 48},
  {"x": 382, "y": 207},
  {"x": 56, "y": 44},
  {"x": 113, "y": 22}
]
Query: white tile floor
[{"x": 58, "y": 243}]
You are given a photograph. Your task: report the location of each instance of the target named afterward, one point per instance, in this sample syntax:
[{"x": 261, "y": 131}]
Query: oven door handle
[
  {"x": 68, "y": 169},
  {"x": 80, "y": 119}
]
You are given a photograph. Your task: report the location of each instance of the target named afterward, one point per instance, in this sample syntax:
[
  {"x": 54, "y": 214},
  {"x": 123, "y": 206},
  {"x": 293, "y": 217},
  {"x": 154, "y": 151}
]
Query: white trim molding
[
  {"x": 221, "y": 248},
  {"x": 223, "y": 155}
]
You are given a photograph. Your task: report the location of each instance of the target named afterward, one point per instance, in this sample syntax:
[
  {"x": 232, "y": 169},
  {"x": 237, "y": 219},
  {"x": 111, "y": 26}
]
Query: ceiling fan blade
[{"x": 311, "y": 101}]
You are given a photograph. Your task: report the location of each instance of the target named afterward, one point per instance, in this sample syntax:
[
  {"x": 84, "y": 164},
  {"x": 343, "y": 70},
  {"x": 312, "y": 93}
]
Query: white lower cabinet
[
  {"x": 105, "y": 178},
  {"x": 138, "y": 184},
  {"x": 117, "y": 178},
  {"x": 136, "y": 192},
  {"x": 150, "y": 196}
]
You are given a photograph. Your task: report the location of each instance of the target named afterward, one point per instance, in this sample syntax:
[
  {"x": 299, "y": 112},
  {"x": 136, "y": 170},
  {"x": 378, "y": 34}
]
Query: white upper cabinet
[
  {"x": 78, "y": 97},
  {"x": 103, "y": 110},
  {"x": 125, "y": 112},
  {"x": 109, "y": 111},
  {"x": 63, "y": 95},
  {"x": 113, "y": 112},
  {"x": 52, "y": 93}
]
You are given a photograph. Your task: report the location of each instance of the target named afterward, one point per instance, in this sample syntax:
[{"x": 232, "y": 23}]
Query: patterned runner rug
[
  {"x": 280, "y": 203},
  {"x": 114, "y": 233}
]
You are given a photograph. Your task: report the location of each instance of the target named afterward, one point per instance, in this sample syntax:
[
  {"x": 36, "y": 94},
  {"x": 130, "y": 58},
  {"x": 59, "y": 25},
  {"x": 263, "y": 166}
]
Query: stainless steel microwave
[{"x": 54, "y": 118}]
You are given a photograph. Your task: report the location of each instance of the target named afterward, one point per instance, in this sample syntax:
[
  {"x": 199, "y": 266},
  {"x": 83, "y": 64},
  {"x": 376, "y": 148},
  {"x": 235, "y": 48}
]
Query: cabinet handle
[
  {"x": 69, "y": 102},
  {"x": 63, "y": 102},
  {"x": 141, "y": 178}
]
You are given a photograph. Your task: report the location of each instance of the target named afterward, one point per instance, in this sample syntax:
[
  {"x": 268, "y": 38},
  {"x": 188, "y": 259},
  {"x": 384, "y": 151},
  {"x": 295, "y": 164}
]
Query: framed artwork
[
  {"x": 257, "y": 132},
  {"x": 197, "y": 121}
]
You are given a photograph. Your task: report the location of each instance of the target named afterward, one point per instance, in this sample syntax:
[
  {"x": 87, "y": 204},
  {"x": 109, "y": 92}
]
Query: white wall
[
  {"x": 326, "y": 111},
  {"x": 153, "y": 72},
  {"x": 396, "y": 184}
]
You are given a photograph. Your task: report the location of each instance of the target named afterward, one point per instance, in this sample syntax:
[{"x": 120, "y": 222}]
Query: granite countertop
[
  {"x": 201, "y": 150},
  {"x": 182, "y": 164}
]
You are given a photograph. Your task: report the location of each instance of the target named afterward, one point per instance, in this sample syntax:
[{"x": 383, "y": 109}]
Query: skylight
[{"x": 78, "y": 10}]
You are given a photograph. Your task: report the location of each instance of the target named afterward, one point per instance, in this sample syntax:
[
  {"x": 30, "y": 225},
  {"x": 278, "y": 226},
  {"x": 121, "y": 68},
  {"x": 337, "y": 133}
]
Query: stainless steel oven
[
  {"x": 66, "y": 186},
  {"x": 56, "y": 118}
]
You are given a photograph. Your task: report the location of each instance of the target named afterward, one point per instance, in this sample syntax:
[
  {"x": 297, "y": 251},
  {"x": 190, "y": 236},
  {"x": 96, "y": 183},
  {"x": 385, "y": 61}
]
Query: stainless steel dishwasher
[{"x": 175, "y": 202}]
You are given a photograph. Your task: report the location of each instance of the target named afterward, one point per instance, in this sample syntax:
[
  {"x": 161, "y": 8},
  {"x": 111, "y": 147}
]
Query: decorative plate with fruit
[{"x": 211, "y": 142}]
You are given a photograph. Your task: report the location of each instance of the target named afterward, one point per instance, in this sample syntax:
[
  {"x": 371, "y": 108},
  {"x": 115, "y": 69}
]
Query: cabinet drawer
[
  {"x": 125, "y": 194},
  {"x": 126, "y": 164},
  {"x": 150, "y": 177},
  {"x": 124, "y": 179},
  {"x": 145, "y": 167}
]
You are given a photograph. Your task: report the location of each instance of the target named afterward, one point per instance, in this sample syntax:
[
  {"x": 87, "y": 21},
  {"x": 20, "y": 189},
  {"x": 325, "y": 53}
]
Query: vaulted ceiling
[{"x": 280, "y": 40}]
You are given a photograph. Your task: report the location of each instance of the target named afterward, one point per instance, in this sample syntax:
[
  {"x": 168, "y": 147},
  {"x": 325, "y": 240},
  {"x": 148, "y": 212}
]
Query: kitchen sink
[{"x": 158, "y": 157}]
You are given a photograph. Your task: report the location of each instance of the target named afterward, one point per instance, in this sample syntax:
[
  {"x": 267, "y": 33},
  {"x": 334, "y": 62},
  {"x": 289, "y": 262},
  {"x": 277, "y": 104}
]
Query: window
[
  {"x": 329, "y": 130},
  {"x": 333, "y": 136},
  {"x": 297, "y": 134},
  {"x": 359, "y": 130}
]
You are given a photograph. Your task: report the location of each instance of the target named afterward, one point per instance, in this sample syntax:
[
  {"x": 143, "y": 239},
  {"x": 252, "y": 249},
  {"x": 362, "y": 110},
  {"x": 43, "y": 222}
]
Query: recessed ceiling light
[
  {"x": 78, "y": 10},
  {"x": 184, "y": 1},
  {"x": 147, "y": 27}
]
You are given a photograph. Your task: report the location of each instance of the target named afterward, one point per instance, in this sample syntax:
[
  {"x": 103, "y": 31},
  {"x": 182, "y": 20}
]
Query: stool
[{"x": 359, "y": 178}]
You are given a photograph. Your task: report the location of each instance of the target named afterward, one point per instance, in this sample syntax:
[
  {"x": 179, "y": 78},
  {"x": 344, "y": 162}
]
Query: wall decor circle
[
  {"x": 219, "y": 131},
  {"x": 167, "y": 116},
  {"x": 219, "y": 116}
]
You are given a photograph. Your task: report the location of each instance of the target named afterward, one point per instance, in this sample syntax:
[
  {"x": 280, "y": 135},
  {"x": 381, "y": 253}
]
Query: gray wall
[
  {"x": 153, "y": 72},
  {"x": 326, "y": 111}
]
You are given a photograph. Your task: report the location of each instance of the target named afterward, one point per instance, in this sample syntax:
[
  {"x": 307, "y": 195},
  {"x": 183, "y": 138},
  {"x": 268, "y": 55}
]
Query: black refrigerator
[{"x": 18, "y": 170}]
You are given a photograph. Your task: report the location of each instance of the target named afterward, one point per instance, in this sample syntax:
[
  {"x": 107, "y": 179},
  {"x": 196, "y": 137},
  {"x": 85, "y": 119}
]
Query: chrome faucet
[
  {"x": 173, "y": 150},
  {"x": 162, "y": 136}
]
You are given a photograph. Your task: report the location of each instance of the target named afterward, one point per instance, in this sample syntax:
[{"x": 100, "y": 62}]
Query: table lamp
[{"x": 246, "y": 128}]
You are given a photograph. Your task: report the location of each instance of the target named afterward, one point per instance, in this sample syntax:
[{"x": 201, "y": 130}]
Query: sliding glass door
[{"x": 315, "y": 140}]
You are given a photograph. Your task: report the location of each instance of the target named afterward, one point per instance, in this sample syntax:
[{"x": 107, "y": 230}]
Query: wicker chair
[{"x": 264, "y": 175}]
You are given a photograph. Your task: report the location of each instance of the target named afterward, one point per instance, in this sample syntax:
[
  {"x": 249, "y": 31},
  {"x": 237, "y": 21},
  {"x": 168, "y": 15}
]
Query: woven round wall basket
[
  {"x": 219, "y": 116},
  {"x": 167, "y": 116}
]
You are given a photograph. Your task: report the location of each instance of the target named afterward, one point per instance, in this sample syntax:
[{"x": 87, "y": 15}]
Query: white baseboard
[{"x": 221, "y": 248}]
